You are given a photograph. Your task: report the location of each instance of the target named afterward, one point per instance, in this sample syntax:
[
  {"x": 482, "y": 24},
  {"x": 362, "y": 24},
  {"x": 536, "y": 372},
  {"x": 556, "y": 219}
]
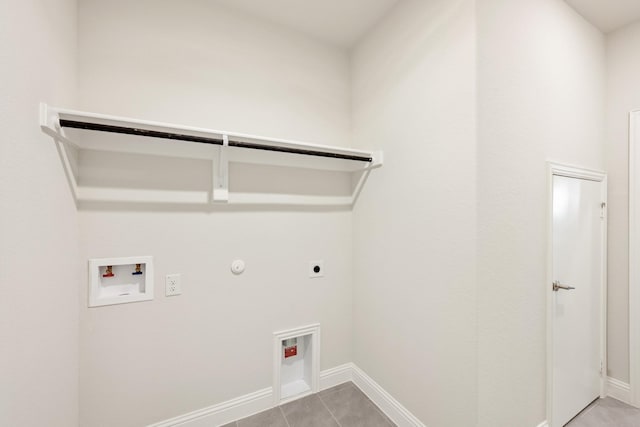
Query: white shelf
[{"x": 217, "y": 149}]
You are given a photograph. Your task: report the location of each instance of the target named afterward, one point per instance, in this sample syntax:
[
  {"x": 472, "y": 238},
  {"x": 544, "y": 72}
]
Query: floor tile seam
[
  {"x": 371, "y": 403},
  {"x": 327, "y": 408},
  {"x": 589, "y": 412},
  {"x": 588, "y": 409},
  {"x": 376, "y": 408},
  {"x": 384, "y": 416},
  {"x": 284, "y": 416},
  {"x": 330, "y": 393}
]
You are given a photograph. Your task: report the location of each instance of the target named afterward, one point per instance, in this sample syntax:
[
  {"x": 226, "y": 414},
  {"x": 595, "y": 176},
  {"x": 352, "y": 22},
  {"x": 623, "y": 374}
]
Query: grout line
[
  {"x": 351, "y": 384},
  {"x": 385, "y": 416},
  {"x": 376, "y": 407},
  {"x": 327, "y": 408},
  {"x": 284, "y": 416},
  {"x": 585, "y": 411}
]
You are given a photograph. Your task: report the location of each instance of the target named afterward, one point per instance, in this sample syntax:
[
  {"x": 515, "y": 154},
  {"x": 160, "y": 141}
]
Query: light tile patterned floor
[
  {"x": 607, "y": 412},
  {"x": 341, "y": 406}
]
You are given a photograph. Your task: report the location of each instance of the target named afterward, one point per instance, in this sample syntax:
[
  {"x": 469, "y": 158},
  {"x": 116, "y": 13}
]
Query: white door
[{"x": 577, "y": 311}]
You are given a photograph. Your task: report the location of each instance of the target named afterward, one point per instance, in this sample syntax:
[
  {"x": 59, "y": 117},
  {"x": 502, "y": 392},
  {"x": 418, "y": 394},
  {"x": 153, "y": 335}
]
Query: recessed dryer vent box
[
  {"x": 120, "y": 280},
  {"x": 296, "y": 363}
]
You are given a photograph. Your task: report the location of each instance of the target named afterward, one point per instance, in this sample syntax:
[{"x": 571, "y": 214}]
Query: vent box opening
[{"x": 296, "y": 358}]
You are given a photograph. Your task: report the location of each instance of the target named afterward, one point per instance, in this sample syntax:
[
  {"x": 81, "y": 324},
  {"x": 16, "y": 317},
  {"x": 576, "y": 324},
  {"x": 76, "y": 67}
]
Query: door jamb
[
  {"x": 634, "y": 252},
  {"x": 558, "y": 169}
]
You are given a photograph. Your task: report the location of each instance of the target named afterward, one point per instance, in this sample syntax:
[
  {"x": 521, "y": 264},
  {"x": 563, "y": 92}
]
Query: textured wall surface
[
  {"x": 623, "y": 96},
  {"x": 540, "y": 98},
  {"x": 414, "y": 227},
  {"x": 38, "y": 229},
  {"x": 208, "y": 66},
  {"x": 434, "y": 285}
]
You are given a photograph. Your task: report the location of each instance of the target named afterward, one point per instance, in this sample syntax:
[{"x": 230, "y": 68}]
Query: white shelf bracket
[
  {"x": 50, "y": 124},
  {"x": 221, "y": 173}
]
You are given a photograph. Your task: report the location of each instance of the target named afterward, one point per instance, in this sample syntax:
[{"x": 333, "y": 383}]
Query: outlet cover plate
[{"x": 173, "y": 285}]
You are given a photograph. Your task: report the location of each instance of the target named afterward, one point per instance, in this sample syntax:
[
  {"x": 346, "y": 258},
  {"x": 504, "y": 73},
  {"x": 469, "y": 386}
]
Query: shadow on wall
[{"x": 136, "y": 172}]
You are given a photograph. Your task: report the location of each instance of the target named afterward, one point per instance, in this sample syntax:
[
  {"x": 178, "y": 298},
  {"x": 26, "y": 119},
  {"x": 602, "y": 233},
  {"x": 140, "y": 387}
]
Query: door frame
[
  {"x": 634, "y": 252},
  {"x": 558, "y": 169}
]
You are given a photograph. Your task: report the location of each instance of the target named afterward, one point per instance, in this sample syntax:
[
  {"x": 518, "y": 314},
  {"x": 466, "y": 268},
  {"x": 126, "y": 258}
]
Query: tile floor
[
  {"x": 607, "y": 412},
  {"x": 341, "y": 406}
]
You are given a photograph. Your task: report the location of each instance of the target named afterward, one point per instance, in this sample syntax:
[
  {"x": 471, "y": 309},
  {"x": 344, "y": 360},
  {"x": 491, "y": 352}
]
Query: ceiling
[
  {"x": 339, "y": 22},
  {"x": 608, "y": 15},
  {"x": 344, "y": 22}
]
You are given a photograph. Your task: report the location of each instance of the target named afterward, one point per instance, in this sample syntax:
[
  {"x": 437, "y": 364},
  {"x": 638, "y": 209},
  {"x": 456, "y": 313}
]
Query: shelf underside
[{"x": 137, "y": 166}]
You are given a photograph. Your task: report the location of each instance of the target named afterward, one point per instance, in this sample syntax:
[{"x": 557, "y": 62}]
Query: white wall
[
  {"x": 197, "y": 63},
  {"x": 623, "y": 95},
  {"x": 414, "y": 226},
  {"x": 204, "y": 65},
  {"x": 449, "y": 250},
  {"x": 38, "y": 230},
  {"x": 540, "y": 97}
]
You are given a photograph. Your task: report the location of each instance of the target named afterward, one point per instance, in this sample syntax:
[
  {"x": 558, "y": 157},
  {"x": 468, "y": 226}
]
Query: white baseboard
[
  {"x": 543, "y": 424},
  {"x": 262, "y": 400},
  {"x": 390, "y": 406},
  {"x": 224, "y": 412},
  {"x": 618, "y": 390},
  {"x": 247, "y": 405},
  {"x": 335, "y": 376}
]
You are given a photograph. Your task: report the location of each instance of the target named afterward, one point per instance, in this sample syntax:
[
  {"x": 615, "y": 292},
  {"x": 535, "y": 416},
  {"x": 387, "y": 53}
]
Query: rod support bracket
[{"x": 220, "y": 191}]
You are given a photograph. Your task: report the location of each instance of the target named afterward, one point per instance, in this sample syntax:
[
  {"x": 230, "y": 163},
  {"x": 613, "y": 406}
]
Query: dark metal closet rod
[
  {"x": 205, "y": 140},
  {"x": 298, "y": 151}
]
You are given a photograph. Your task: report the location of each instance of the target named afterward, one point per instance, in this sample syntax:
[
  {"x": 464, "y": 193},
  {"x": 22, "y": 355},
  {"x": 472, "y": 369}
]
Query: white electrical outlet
[
  {"x": 316, "y": 269},
  {"x": 172, "y": 284}
]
